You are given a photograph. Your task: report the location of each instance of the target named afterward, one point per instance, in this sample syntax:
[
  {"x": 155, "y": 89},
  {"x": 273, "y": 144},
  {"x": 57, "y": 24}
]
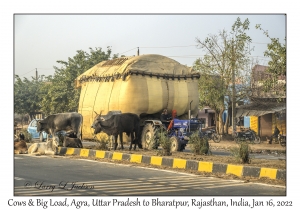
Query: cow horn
[{"x": 96, "y": 112}]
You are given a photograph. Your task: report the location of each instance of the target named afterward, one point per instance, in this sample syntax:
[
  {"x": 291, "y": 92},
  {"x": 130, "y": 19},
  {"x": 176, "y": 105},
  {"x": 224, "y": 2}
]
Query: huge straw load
[{"x": 143, "y": 85}]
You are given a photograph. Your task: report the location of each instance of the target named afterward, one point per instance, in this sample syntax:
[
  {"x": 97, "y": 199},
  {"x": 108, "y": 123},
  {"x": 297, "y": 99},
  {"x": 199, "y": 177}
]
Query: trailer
[{"x": 144, "y": 85}]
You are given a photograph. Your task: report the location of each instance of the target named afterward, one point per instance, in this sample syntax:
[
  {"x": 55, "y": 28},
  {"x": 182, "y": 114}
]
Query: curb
[{"x": 201, "y": 166}]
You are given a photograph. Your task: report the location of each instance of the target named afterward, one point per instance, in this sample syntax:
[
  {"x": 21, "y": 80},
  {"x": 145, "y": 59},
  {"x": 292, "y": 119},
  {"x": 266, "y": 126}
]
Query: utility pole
[
  {"x": 233, "y": 90},
  {"x": 190, "y": 116},
  {"x": 36, "y": 74}
]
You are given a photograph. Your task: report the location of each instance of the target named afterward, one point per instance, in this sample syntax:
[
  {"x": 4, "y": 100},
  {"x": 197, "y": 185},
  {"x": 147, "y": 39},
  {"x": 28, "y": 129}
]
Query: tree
[
  {"x": 225, "y": 63},
  {"x": 59, "y": 92},
  {"x": 277, "y": 65},
  {"x": 26, "y": 96}
]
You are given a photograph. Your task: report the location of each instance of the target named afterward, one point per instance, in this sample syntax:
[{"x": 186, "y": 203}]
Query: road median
[{"x": 178, "y": 163}]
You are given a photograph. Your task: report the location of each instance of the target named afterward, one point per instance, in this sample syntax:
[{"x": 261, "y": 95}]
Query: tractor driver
[
  {"x": 174, "y": 115},
  {"x": 165, "y": 116}
]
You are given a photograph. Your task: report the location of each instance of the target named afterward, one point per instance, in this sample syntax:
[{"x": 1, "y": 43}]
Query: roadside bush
[
  {"x": 165, "y": 142},
  {"x": 241, "y": 153},
  {"x": 199, "y": 145},
  {"x": 102, "y": 142},
  {"x": 60, "y": 138},
  {"x": 28, "y": 137}
]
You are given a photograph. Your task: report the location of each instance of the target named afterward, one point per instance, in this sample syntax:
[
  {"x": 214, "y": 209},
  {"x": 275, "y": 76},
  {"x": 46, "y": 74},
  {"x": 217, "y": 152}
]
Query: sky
[{"x": 40, "y": 40}]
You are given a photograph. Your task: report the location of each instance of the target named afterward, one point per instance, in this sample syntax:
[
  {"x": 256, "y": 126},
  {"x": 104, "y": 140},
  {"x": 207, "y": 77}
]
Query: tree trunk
[
  {"x": 219, "y": 121},
  {"x": 22, "y": 120},
  {"x": 226, "y": 124}
]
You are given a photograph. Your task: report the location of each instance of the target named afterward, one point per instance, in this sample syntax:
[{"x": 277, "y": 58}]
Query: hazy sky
[{"x": 40, "y": 40}]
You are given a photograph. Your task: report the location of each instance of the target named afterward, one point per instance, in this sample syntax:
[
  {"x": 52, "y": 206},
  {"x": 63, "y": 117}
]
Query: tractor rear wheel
[
  {"x": 175, "y": 144},
  {"x": 149, "y": 137}
]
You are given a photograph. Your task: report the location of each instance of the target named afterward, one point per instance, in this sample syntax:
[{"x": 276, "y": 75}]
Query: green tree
[
  {"x": 59, "y": 92},
  {"x": 277, "y": 65},
  {"x": 26, "y": 95},
  {"x": 225, "y": 63}
]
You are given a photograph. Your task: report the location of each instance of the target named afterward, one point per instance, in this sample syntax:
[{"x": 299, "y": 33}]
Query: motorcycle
[
  {"x": 281, "y": 139},
  {"x": 211, "y": 134},
  {"x": 245, "y": 135}
]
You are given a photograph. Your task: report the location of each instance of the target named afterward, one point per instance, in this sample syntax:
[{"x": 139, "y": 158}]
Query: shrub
[
  {"x": 28, "y": 137},
  {"x": 102, "y": 142},
  {"x": 165, "y": 142},
  {"x": 199, "y": 145},
  {"x": 60, "y": 138},
  {"x": 241, "y": 153}
]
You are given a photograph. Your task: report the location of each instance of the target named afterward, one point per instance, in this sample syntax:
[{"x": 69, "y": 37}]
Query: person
[
  {"x": 174, "y": 115},
  {"x": 165, "y": 116},
  {"x": 275, "y": 134}
]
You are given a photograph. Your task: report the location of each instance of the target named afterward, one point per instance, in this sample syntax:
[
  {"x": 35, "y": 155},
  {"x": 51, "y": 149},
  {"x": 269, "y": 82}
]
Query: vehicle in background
[{"x": 34, "y": 134}]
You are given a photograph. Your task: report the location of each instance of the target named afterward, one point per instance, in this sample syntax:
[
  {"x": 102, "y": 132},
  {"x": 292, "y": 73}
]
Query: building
[
  {"x": 266, "y": 109},
  {"x": 207, "y": 116}
]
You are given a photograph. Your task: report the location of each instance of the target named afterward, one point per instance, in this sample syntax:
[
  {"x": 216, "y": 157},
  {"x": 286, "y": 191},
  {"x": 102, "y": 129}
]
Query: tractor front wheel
[{"x": 175, "y": 144}]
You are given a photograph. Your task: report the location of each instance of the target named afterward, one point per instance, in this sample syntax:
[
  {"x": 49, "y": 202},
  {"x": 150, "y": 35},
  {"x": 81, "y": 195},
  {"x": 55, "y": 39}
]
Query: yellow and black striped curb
[{"x": 201, "y": 166}]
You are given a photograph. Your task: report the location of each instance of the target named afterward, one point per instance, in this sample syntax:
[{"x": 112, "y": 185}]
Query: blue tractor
[{"x": 180, "y": 132}]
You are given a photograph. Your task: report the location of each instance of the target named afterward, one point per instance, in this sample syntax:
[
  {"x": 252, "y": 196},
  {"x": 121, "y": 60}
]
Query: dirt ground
[{"x": 224, "y": 145}]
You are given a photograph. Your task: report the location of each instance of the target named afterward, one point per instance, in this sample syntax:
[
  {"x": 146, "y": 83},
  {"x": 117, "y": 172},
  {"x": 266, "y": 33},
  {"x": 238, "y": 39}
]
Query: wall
[
  {"x": 254, "y": 123},
  {"x": 280, "y": 122},
  {"x": 247, "y": 122},
  {"x": 266, "y": 125},
  {"x": 206, "y": 116}
]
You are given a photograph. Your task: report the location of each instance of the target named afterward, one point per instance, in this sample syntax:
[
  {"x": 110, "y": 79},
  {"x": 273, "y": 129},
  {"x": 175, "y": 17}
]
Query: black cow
[
  {"x": 72, "y": 142},
  {"x": 116, "y": 125},
  {"x": 62, "y": 121}
]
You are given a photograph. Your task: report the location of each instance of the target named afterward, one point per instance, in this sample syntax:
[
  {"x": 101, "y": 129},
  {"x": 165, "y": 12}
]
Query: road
[{"x": 65, "y": 176}]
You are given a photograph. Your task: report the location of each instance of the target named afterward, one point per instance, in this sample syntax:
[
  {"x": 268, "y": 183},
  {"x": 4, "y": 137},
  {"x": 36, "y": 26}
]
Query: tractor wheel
[
  {"x": 175, "y": 144},
  {"x": 149, "y": 137}
]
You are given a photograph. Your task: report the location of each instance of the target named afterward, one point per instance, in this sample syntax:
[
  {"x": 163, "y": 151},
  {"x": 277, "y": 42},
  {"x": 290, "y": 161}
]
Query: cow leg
[
  {"x": 111, "y": 141},
  {"x": 116, "y": 142},
  {"x": 130, "y": 144},
  {"x": 137, "y": 140},
  {"x": 133, "y": 140},
  {"x": 121, "y": 140}
]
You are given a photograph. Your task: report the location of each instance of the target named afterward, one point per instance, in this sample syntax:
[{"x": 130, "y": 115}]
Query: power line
[
  {"x": 28, "y": 72},
  {"x": 259, "y": 43},
  {"x": 170, "y": 46},
  {"x": 159, "y": 47},
  {"x": 128, "y": 50}
]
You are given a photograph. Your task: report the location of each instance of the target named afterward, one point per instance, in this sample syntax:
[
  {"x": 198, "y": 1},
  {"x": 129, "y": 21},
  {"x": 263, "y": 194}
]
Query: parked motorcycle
[
  {"x": 211, "y": 134},
  {"x": 280, "y": 139},
  {"x": 245, "y": 135}
]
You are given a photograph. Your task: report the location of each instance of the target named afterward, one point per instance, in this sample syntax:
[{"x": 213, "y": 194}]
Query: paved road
[{"x": 63, "y": 176}]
